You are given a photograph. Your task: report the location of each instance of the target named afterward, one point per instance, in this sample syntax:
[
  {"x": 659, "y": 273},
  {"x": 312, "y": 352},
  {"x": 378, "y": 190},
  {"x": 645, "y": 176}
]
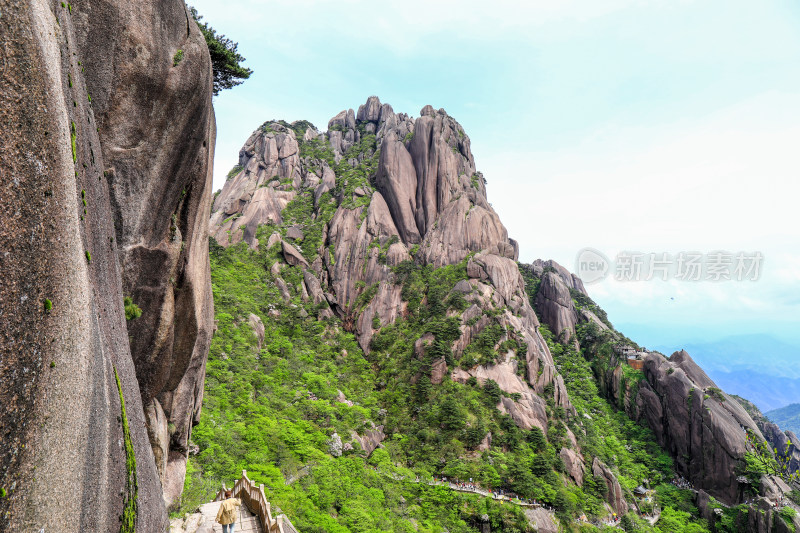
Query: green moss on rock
[
  {"x": 131, "y": 505},
  {"x": 74, "y": 136}
]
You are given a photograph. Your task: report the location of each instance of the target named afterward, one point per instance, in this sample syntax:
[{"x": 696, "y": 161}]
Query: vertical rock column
[
  {"x": 149, "y": 73},
  {"x": 74, "y": 453}
]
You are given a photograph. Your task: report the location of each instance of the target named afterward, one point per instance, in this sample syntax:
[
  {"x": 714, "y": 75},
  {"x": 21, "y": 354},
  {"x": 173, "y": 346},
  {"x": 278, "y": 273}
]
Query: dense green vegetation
[
  {"x": 273, "y": 412},
  {"x": 132, "y": 311},
  {"x": 131, "y": 492},
  {"x": 290, "y": 410}
]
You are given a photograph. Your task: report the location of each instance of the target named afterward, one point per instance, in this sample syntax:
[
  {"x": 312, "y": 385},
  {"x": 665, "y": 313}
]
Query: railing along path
[{"x": 253, "y": 497}]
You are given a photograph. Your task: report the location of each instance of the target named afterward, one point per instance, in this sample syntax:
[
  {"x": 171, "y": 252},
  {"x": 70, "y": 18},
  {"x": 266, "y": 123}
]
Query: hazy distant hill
[
  {"x": 787, "y": 418},
  {"x": 758, "y": 367},
  {"x": 766, "y": 391}
]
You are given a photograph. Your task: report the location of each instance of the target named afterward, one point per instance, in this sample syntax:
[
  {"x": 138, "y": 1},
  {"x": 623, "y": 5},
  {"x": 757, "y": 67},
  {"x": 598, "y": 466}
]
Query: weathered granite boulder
[
  {"x": 570, "y": 280},
  {"x": 574, "y": 464},
  {"x": 543, "y": 520},
  {"x": 258, "y": 328},
  {"x": 554, "y": 304},
  {"x": 370, "y": 440}
]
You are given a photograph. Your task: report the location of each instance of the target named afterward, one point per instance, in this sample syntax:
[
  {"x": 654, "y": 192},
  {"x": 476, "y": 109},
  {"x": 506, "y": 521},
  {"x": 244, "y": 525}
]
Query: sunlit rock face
[
  {"x": 389, "y": 188},
  {"x": 380, "y": 188}
]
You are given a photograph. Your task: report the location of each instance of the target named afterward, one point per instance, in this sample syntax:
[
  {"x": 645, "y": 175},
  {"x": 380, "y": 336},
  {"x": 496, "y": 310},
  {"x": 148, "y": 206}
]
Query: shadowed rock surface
[
  {"x": 703, "y": 428},
  {"x": 700, "y": 426},
  {"x": 107, "y": 161},
  {"x": 554, "y": 303},
  {"x": 786, "y": 442},
  {"x": 705, "y": 433}
]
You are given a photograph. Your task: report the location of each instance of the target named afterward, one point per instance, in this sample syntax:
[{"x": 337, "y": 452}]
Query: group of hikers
[
  {"x": 681, "y": 482},
  {"x": 496, "y": 493}
]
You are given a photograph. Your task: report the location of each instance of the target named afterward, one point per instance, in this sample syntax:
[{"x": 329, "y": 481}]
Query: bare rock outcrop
[
  {"x": 703, "y": 428},
  {"x": 571, "y": 280},
  {"x": 387, "y": 189},
  {"x": 107, "y": 163},
  {"x": 554, "y": 303},
  {"x": 370, "y": 440},
  {"x": 574, "y": 464},
  {"x": 258, "y": 328},
  {"x": 543, "y": 520},
  {"x": 261, "y": 186},
  {"x": 615, "y": 497}
]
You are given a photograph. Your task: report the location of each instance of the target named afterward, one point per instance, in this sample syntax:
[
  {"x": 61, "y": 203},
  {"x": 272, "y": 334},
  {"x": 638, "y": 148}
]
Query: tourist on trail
[{"x": 228, "y": 511}]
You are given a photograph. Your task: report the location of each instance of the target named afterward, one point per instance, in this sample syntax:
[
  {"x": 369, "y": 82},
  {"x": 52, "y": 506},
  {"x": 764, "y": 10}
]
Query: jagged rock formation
[
  {"x": 107, "y": 159},
  {"x": 759, "y": 517},
  {"x": 385, "y": 189},
  {"x": 555, "y": 304},
  {"x": 703, "y": 428},
  {"x": 787, "y": 444},
  {"x": 380, "y": 189},
  {"x": 554, "y": 299}
]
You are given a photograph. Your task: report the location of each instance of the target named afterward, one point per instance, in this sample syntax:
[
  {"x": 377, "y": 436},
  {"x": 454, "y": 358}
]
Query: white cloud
[{"x": 728, "y": 181}]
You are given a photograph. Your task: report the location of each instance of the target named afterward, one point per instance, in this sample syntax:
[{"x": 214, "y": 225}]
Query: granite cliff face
[
  {"x": 703, "y": 429},
  {"x": 386, "y": 188},
  {"x": 786, "y": 442},
  {"x": 701, "y": 426},
  {"x": 108, "y": 142}
]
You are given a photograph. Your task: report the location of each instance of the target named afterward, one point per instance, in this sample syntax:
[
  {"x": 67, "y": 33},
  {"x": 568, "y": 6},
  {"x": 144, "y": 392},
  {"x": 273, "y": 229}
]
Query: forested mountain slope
[
  {"x": 788, "y": 418},
  {"x": 374, "y": 327}
]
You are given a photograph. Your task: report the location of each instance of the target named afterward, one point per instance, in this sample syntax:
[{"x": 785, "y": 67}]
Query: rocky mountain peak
[{"x": 376, "y": 190}]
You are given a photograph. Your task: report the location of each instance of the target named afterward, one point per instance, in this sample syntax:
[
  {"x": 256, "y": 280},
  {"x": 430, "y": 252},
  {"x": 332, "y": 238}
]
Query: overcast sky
[{"x": 651, "y": 126}]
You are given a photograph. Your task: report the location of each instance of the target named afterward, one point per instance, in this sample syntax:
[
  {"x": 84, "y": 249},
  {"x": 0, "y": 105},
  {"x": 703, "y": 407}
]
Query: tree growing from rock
[
  {"x": 773, "y": 462},
  {"x": 225, "y": 59}
]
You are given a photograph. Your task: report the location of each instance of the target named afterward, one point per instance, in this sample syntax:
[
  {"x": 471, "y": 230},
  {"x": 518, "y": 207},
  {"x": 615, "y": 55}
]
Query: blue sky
[{"x": 656, "y": 126}]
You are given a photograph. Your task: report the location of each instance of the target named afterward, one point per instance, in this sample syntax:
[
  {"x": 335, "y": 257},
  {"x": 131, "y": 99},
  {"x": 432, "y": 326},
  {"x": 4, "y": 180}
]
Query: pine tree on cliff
[{"x": 225, "y": 60}]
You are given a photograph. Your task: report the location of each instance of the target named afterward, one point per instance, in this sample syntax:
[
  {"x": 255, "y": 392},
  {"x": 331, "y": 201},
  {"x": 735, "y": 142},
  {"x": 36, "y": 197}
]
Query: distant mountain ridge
[
  {"x": 758, "y": 367},
  {"x": 768, "y": 392},
  {"x": 787, "y": 418},
  {"x": 761, "y": 353}
]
